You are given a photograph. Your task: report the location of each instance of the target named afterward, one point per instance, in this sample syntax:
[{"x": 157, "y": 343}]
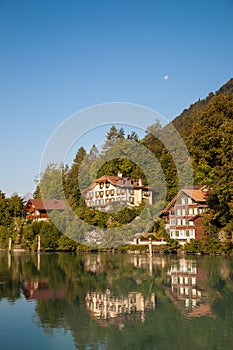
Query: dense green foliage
[{"x": 11, "y": 212}]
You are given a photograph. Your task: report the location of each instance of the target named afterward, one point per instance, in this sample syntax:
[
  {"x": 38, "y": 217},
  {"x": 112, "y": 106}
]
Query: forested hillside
[
  {"x": 207, "y": 130},
  {"x": 190, "y": 116}
]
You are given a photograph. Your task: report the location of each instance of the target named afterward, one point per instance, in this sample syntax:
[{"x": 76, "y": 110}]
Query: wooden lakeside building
[{"x": 39, "y": 209}]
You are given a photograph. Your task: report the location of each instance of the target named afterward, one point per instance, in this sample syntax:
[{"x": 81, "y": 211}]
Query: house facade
[
  {"x": 109, "y": 189},
  {"x": 39, "y": 209},
  {"x": 182, "y": 215}
]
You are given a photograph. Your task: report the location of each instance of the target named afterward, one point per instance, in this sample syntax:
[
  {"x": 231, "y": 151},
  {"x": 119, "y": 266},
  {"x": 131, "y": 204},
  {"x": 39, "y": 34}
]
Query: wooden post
[
  {"x": 9, "y": 244},
  {"x": 150, "y": 247},
  {"x": 38, "y": 246},
  {"x": 150, "y": 265},
  {"x": 9, "y": 260},
  {"x": 38, "y": 261}
]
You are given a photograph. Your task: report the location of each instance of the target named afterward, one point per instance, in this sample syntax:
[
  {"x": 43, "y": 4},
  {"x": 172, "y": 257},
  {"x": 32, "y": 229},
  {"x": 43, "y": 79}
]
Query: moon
[{"x": 166, "y": 77}]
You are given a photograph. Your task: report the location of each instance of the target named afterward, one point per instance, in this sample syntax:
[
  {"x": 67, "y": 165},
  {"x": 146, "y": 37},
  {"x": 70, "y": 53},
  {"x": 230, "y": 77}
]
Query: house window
[
  {"x": 107, "y": 193},
  {"x": 174, "y": 280},
  {"x": 190, "y": 200},
  {"x": 107, "y": 184},
  {"x": 177, "y": 233},
  {"x": 131, "y": 191},
  {"x": 192, "y": 233},
  {"x": 187, "y": 233},
  {"x": 181, "y": 233},
  {"x": 183, "y": 200},
  {"x": 195, "y": 211},
  {"x": 172, "y": 222},
  {"x": 183, "y": 212},
  {"x": 178, "y": 212},
  {"x": 112, "y": 192},
  {"x": 101, "y": 185},
  {"x": 131, "y": 200},
  {"x": 191, "y": 211},
  {"x": 101, "y": 194},
  {"x": 178, "y": 222}
]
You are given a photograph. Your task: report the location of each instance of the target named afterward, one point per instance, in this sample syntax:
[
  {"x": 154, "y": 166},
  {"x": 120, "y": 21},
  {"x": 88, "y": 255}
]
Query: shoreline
[{"x": 140, "y": 250}]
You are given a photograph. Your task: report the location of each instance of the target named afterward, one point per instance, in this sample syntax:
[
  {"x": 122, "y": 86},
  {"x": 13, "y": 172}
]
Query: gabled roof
[
  {"x": 197, "y": 193},
  {"x": 118, "y": 181},
  {"x": 109, "y": 178},
  {"x": 45, "y": 204}
]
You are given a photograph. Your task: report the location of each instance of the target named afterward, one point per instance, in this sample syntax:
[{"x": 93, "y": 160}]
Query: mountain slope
[{"x": 185, "y": 121}]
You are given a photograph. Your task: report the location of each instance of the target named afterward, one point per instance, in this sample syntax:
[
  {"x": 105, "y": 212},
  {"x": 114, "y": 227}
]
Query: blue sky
[{"x": 58, "y": 57}]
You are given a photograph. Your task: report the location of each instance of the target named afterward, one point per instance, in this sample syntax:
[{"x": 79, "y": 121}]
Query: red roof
[
  {"x": 45, "y": 204},
  {"x": 112, "y": 179},
  {"x": 197, "y": 193},
  {"x": 117, "y": 181}
]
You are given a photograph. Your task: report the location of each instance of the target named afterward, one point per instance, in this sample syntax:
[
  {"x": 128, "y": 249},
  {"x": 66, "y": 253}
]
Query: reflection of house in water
[
  {"x": 106, "y": 307},
  {"x": 185, "y": 290},
  {"x": 93, "y": 263},
  {"x": 36, "y": 289},
  {"x": 140, "y": 261}
]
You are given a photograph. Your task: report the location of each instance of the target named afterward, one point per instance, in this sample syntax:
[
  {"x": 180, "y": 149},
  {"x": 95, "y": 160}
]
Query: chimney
[{"x": 119, "y": 174}]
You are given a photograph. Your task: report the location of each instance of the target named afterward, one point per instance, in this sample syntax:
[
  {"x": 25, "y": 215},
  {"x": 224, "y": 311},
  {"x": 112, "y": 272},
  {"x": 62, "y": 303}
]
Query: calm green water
[{"x": 72, "y": 301}]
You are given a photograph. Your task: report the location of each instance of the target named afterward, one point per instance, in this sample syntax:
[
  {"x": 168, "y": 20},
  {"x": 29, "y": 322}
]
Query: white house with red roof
[
  {"x": 109, "y": 189},
  {"x": 182, "y": 215}
]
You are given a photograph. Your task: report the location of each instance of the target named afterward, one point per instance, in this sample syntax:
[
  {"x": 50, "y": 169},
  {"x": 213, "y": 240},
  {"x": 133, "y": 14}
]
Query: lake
[{"x": 106, "y": 301}]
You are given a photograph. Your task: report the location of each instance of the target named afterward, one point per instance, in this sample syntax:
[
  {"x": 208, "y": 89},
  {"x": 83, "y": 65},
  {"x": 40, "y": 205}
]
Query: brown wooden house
[
  {"x": 38, "y": 209},
  {"x": 182, "y": 215}
]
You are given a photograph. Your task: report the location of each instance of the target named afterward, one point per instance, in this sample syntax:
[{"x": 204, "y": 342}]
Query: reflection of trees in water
[{"x": 60, "y": 282}]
